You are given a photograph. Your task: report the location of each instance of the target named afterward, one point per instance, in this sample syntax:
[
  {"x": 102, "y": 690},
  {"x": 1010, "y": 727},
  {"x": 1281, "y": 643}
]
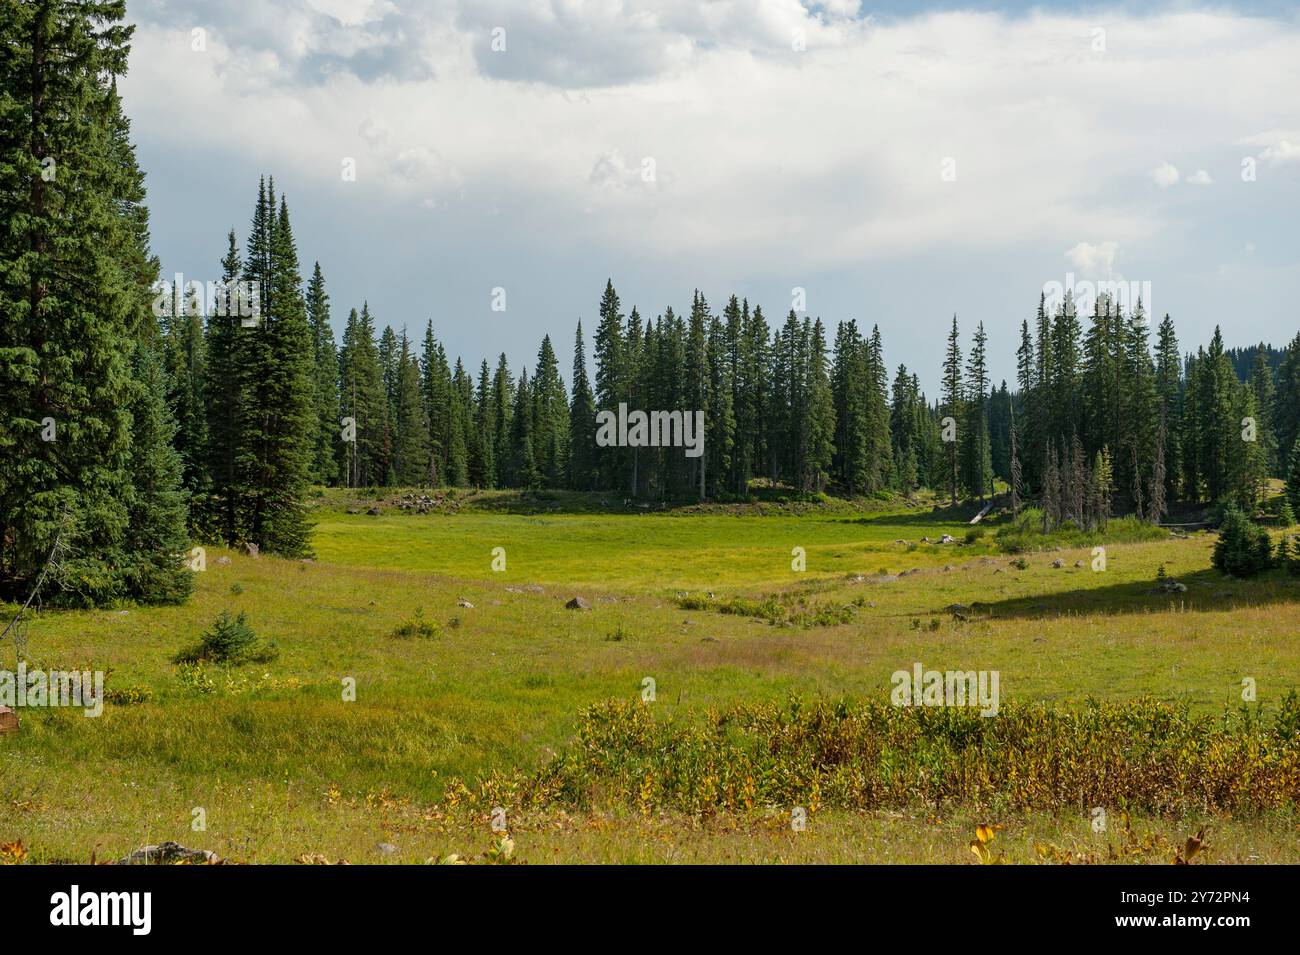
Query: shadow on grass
[{"x": 1206, "y": 590}]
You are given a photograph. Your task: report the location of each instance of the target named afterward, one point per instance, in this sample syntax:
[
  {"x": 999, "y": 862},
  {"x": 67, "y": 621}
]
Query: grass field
[{"x": 283, "y": 767}]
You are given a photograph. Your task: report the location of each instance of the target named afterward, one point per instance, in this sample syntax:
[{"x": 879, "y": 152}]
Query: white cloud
[
  {"x": 776, "y": 159},
  {"x": 1094, "y": 260},
  {"x": 1200, "y": 178},
  {"x": 1164, "y": 175}
]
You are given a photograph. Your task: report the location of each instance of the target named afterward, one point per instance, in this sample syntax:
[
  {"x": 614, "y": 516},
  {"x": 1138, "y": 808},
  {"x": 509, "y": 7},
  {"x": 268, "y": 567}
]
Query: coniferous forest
[{"x": 129, "y": 430}]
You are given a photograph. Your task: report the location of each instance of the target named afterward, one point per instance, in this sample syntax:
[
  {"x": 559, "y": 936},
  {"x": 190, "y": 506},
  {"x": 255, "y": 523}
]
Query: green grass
[{"x": 283, "y": 766}]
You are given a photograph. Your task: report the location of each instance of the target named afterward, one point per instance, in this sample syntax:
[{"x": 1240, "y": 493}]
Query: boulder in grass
[
  {"x": 577, "y": 603},
  {"x": 170, "y": 853},
  {"x": 252, "y": 549},
  {"x": 1058, "y": 563},
  {"x": 462, "y": 602}
]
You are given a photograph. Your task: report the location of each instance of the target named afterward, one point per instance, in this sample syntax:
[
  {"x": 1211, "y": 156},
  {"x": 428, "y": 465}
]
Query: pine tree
[
  {"x": 362, "y": 399},
  {"x": 821, "y": 414},
  {"x": 977, "y": 463},
  {"x": 503, "y": 388},
  {"x": 222, "y": 393},
  {"x": 75, "y": 292},
  {"x": 412, "y": 447},
  {"x": 952, "y": 407},
  {"x": 1293, "y": 478},
  {"x": 610, "y": 379},
  {"x": 279, "y": 423},
  {"x": 156, "y": 534},
  {"x": 325, "y": 359},
  {"x": 521, "y": 439},
  {"x": 1169, "y": 393},
  {"x": 582, "y": 439},
  {"x": 1264, "y": 392},
  {"x": 483, "y": 469},
  {"x": 184, "y": 366},
  {"x": 550, "y": 410}
]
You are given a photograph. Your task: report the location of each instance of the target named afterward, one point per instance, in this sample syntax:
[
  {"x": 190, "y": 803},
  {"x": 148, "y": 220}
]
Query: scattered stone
[
  {"x": 8, "y": 721},
  {"x": 306, "y": 560},
  {"x": 223, "y": 561},
  {"x": 1078, "y": 563},
  {"x": 252, "y": 550},
  {"x": 957, "y": 608},
  {"x": 1169, "y": 586},
  {"x": 884, "y": 578},
  {"x": 947, "y": 568},
  {"x": 374, "y": 512},
  {"x": 387, "y": 848},
  {"x": 1058, "y": 563},
  {"x": 947, "y": 539},
  {"x": 462, "y": 602},
  {"x": 577, "y": 603},
  {"x": 169, "y": 853}
]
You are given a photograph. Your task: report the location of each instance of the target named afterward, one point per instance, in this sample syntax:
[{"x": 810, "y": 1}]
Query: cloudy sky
[{"x": 900, "y": 163}]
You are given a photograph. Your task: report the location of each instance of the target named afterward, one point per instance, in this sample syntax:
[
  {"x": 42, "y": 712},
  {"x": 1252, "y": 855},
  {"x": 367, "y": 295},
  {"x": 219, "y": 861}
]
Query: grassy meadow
[{"x": 465, "y": 673}]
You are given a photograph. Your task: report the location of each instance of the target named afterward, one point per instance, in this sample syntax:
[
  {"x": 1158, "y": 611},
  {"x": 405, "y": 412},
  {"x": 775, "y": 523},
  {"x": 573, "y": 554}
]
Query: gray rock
[
  {"x": 252, "y": 550},
  {"x": 577, "y": 603},
  {"x": 169, "y": 853},
  {"x": 462, "y": 602},
  {"x": 1058, "y": 563}
]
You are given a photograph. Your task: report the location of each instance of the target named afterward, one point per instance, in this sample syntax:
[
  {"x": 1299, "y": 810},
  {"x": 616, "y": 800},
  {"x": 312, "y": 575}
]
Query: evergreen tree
[
  {"x": 76, "y": 280},
  {"x": 503, "y": 388},
  {"x": 610, "y": 379},
  {"x": 412, "y": 447},
  {"x": 952, "y": 408},
  {"x": 362, "y": 399},
  {"x": 184, "y": 365},
  {"x": 156, "y": 534},
  {"x": 583, "y": 471},
  {"x": 977, "y": 462},
  {"x": 326, "y": 455},
  {"x": 483, "y": 468},
  {"x": 219, "y": 513},
  {"x": 550, "y": 410},
  {"x": 821, "y": 414},
  {"x": 278, "y": 423},
  {"x": 1293, "y": 478}
]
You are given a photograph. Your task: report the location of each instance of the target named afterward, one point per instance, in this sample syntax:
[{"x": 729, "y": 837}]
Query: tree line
[{"x": 126, "y": 434}]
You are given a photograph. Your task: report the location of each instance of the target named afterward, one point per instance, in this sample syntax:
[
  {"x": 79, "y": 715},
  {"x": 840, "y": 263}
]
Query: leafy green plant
[{"x": 416, "y": 626}]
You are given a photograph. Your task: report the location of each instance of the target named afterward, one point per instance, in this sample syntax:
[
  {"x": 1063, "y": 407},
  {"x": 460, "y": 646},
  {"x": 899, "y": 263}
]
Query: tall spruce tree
[
  {"x": 325, "y": 359},
  {"x": 75, "y": 293},
  {"x": 279, "y": 422},
  {"x": 583, "y": 471}
]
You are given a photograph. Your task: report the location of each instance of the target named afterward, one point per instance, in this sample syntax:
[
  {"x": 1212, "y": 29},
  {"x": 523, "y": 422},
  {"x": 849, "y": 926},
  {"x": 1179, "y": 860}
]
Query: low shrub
[
  {"x": 417, "y": 627},
  {"x": 1243, "y": 548},
  {"x": 1142, "y": 754},
  {"x": 229, "y": 641}
]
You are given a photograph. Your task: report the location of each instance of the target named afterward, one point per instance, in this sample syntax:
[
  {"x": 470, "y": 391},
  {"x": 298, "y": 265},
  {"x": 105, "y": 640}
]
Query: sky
[{"x": 895, "y": 164}]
